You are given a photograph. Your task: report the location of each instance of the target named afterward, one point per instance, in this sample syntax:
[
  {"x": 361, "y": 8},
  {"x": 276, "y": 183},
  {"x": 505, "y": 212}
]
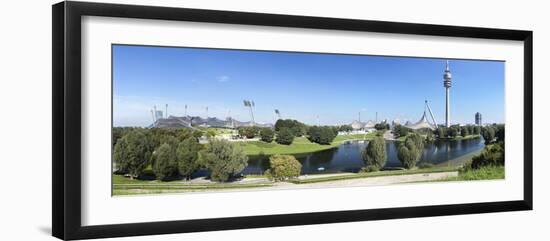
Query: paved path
[
  {"x": 358, "y": 182},
  {"x": 372, "y": 181}
]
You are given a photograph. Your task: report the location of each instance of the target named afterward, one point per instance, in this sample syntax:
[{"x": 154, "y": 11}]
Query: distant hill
[{"x": 189, "y": 121}]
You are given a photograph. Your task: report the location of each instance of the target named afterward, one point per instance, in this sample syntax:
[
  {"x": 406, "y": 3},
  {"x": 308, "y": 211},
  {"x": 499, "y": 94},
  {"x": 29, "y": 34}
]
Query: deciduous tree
[
  {"x": 223, "y": 159},
  {"x": 375, "y": 153}
]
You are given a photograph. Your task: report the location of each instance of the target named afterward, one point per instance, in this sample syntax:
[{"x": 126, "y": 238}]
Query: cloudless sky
[{"x": 313, "y": 88}]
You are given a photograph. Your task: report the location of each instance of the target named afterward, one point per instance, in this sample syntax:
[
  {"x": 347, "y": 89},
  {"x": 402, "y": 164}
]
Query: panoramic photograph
[{"x": 188, "y": 120}]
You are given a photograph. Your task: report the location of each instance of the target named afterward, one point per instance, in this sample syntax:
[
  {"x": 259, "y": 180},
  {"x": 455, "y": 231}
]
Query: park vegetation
[
  {"x": 455, "y": 131},
  {"x": 401, "y": 130},
  {"x": 489, "y": 164},
  {"x": 267, "y": 135},
  {"x": 174, "y": 153},
  {"x": 374, "y": 155},
  {"x": 223, "y": 159},
  {"x": 285, "y": 136},
  {"x": 132, "y": 153},
  {"x": 410, "y": 151},
  {"x": 382, "y": 126},
  {"x": 296, "y": 128},
  {"x": 283, "y": 167},
  {"x": 323, "y": 135}
]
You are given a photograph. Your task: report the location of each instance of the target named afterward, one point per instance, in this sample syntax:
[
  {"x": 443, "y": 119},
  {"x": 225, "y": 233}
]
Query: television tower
[{"x": 447, "y": 84}]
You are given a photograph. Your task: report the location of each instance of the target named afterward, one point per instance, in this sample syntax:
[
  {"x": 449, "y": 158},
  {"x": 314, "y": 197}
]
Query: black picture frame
[{"x": 66, "y": 127}]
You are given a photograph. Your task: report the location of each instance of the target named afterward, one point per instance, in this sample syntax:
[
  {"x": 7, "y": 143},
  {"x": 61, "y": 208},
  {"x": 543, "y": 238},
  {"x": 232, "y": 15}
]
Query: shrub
[
  {"x": 375, "y": 153},
  {"x": 187, "y": 156},
  {"x": 370, "y": 168},
  {"x": 492, "y": 155},
  {"x": 284, "y": 136},
  {"x": 410, "y": 150},
  {"x": 267, "y": 134},
  {"x": 223, "y": 159},
  {"x": 164, "y": 161},
  {"x": 283, "y": 167},
  {"x": 132, "y": 153},
  {"x": 424, "y": 165}
]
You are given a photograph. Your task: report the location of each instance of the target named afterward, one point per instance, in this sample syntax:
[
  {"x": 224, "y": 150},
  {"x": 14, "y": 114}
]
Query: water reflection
[{"x": 347, "y": 157}]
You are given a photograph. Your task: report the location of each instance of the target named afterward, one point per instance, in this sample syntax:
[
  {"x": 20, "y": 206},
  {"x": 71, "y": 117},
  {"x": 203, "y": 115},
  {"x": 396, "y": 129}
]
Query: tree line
[
  {"x": 285, "y": 130},
  {"x": 410, "y": 150},
  {"x": 175, "y": 153}
]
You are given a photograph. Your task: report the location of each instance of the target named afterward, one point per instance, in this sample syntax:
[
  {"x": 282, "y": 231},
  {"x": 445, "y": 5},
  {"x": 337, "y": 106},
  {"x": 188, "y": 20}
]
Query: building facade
[{"x": 478, "y": 119}]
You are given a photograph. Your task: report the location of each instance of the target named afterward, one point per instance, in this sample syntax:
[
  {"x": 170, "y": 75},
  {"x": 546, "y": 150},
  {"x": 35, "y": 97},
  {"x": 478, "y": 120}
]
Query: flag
[
  {"x": 276, "y": 111},
  {"x": 253, "y": 104}
]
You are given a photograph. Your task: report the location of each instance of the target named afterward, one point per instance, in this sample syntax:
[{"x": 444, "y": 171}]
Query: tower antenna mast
[{"x": 447, "y": 84}]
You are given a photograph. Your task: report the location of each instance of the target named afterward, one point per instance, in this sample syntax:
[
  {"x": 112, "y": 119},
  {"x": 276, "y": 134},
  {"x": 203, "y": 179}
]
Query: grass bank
[
  {"x": 300, "y": 145},
  {"x": 483, "y": 173},
  {"x": 126, "y": 186}
]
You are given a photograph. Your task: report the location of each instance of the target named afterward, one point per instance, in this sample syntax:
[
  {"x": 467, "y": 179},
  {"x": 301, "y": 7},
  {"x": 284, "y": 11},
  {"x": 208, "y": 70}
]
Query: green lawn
[
  {"x": 299, "y": 145},
  {"x": 126, "y": 186},
  {"x": 483, "y": 173}
]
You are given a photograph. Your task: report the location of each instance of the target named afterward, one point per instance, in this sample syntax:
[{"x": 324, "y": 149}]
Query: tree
[
  {"x": 345, "y": 128},
  {"x": 267, "y": 134},
  {"x": 283, "y": 167},
  {"x": 164, "y": 161},
  {"x": 326, "y": 135},
  {"x": 223, "y": 159},
  {"x": 323, "y": 135},
  {"x": 297, "y": 128},
  {"x": 465, "y": 131},
  {"x": 441, "y": 132},
  {"x": 410, "y": 150},
  {"x": 477, "y": 130},
  {"x": 382, "y": 126},
  {"x": 499, "y": 132},
  {"x": 452, "y": 132},
  {"x": 284, "y": 136},
  {"x": 375, "y": 154},
  {"x": 248, "y": 131},
  {"x": 488, "y": 134},
  {"x": 400, "y": 130},
  {"x": 187, "y": 155},
  {"x": 132, "y": 153}
]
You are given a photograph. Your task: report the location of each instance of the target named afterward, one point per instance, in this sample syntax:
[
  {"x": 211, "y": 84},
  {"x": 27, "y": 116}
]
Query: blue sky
[{"x": 325, "y": 88}]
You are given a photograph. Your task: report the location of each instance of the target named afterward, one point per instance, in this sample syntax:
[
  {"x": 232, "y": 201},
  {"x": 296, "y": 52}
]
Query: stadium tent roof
[{"x": 421, "y": 124}]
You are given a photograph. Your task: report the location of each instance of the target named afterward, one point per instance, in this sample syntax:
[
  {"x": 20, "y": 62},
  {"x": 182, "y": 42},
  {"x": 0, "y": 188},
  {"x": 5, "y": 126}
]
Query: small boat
[{"x": 320, "y": 169}]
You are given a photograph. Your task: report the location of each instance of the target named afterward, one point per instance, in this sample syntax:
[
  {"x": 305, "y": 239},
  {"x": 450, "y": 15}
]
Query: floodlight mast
[{"x": 249, "y": 104}]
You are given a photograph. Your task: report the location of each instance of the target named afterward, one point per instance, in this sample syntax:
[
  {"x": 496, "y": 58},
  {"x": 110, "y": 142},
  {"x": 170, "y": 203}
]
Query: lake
[{"x": 347, "y": 157}]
